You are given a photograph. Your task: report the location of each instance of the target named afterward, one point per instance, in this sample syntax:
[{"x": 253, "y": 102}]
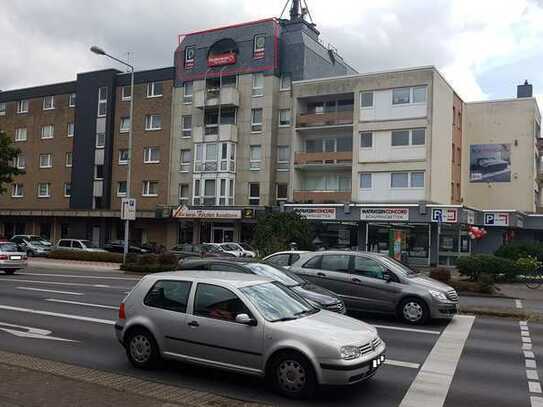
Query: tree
[
  {"x": 8, "y": 153},
  {"x": 276, "y": 231}
]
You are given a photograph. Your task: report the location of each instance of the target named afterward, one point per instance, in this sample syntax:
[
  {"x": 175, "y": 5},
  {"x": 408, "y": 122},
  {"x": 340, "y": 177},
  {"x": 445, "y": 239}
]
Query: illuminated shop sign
[
  {"x": 445, "y": 215},
  {"x": 385, "y": 214},
  {"x": 316, "y": 213},
  {"x": 222, "y": 59}
]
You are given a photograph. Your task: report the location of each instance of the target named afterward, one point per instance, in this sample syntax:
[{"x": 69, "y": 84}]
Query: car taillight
[
  {"x": 122, "y": 312},
  {"x": 3, "y": 257}
]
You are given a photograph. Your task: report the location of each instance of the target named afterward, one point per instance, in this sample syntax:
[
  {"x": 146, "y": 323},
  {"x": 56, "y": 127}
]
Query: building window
[
  {"x": 418, "y": 137},
  {"x": 126, "y": 93},
  {"x": 68, "y": 159},
  {"x": 67, "y": 190},
  {"x": 366, "y": 99},
  {"x": 2, "y": 109},
  {"x": 100, "y": 140},
  {"x": 70, "y": 130},
  {"x": 208, "y": 159},
  {"x": 22, "y": 106},
  {"x": 150, "y": 188},
  {"x": 419, "y": 94},
  {"x": 152, "y": 122},
  {"x": 125, "y": 125},
  {"x": 283, "y": 158},
  {"x": 365, "y": 181},
  {"x": 254, "y": 194},
  {"x": 256, "y": 120},
  {"x": 43, "y": 190},
  {"x": 47, "y": 132},
  {"x": 183, "y": 194},
  {"x": 417, "y": 179},
  {"x": 121, "y": 188},
  {"x": 258, "y": 84},
  {"x": 71, "y": 100},
  {"x": 187, "y": 92},
  {"x": 284, "y": 118},
  {"x": 123, "y": 156},
  {"x": 186, "y": 126},
  {"x": 458, "y": 156},
  {"x": 21, "y": 134},
  {"x": 154, "y": 89},
  {"x": 102, "y": 101},
  {"x": 414, "y": 137},
  {"x": 48, "y": 103},
  {"x": 46, "y": 161},
  {"x": 151, "y": 155},
  {"x": 459, "y": 124},
  {"x": 210, "y": 186},
  {"x": 285, "y": 82},
  {"x": 17, "y": 190},
  {"x": 98, "y": 172},
  {"x": 402, "y": 96},
  {"x": 20, "y": 162},
  {"x": 185, "y": 160},
  {"x": 366, "y": 140},
  {"x": 452, "y": 155},
  {"x": 399, "y": 180},
  {"x": 328, "y": 183},
  {"x": 454, "y": 116},
  {"x": 255, "y": 157},
  {"x": 281, "y": 193}
]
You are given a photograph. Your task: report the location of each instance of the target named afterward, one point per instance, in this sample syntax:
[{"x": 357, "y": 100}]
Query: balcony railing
[
  {"x": 325, "y": 119},
  {"x": 342, "y": 158},
  {"x": 226, "y": 97},
  {"x": 322, "y": 196}
]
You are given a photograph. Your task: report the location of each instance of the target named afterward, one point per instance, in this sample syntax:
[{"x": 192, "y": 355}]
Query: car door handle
[
  {"x": 356, "y": 280},
  {"x": 321, "y": 274},
  {"x": 194, "y": 324}
]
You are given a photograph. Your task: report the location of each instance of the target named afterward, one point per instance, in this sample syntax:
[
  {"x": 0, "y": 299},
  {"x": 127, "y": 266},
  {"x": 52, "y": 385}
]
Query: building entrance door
[
  {"x": 96, "y": 235},
  {"x": 221, "y": 234}
]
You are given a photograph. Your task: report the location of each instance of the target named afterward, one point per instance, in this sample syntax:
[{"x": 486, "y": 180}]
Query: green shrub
[
  {"x": 519, "y": 249},
  {"x": 148, "y": 268},
  {"x": 441, "y": 274},
  {"x": 502, "y": 268},
  {"x": 147, "y": 259},
  {"x": 274, "y": 232},
  {"x": 167, "y": 258},
  {"x": 131, "y": 258},
  {"x": 486, "y": 283},
  {"x": 527, "y": 265},
  {"x": 85, "y": 256}
]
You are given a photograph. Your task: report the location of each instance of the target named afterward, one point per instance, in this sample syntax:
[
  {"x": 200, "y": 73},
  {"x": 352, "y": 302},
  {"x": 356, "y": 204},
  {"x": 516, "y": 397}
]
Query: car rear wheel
[
  {"x": 293, "y": 376},
  {"x": 414, "y": 311},
  {"x": 142, "y": 349}
]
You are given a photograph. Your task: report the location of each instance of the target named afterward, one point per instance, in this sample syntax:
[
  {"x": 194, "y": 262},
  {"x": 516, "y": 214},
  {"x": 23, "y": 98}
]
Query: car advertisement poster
[{"x": 490, "y": 163}]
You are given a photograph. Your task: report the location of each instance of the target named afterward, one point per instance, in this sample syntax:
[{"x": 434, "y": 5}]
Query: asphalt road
[{"x": 67, "y": 316}]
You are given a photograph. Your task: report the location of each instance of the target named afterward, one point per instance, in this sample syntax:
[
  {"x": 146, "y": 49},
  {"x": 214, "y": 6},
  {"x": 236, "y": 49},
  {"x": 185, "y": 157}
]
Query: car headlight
[
  {"x": 349, "y": 352},
  {"x": 438, "y": 295}
]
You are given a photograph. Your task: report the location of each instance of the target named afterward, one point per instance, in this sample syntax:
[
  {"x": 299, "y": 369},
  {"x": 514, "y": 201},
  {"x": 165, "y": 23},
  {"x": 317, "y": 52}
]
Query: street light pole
[{"x": 100, "y": 51}]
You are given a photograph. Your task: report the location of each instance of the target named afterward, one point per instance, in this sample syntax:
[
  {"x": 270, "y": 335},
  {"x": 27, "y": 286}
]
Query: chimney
[{"x": 525, "y": 90}]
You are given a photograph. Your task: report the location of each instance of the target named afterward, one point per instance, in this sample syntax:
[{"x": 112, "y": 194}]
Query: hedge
[
  {"x": 501, "y": 268},
  {"x": 518, "y": 250},
  {"x": 148, "y": 268},
  {"x": 82, "y": 255}
]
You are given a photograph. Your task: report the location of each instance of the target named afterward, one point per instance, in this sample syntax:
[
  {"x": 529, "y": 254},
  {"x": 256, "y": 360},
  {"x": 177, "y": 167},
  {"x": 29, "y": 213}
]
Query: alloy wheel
[
  {"x": 413, "y": 311},
  {"x": 291, "y": 376},
  {"x": 140, "y": 348}
]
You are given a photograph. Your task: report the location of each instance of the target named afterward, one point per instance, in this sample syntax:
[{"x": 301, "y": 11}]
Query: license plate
[
  {"x": 15, "y": 258},
  {"x": 377, "y": 362}
]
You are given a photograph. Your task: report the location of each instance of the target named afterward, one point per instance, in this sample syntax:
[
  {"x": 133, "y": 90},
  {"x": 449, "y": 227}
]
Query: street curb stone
[{"x": 163, "y": 392}]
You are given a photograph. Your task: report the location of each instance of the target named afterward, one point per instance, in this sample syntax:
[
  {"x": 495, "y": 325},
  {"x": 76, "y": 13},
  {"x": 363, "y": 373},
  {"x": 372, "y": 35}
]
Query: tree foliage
[
  {"x": 8, "y": 153},
  {"x": 276, "y": 231}
]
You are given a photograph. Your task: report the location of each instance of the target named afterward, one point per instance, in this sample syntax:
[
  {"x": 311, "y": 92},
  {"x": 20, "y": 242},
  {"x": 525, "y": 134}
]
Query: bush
[
  {"x": 131, "y": 258},
  {"x": 518, "y": 250},
  {"x": 527, "y": 265},
  {"x": 147, "y": 259},
  {"x": 441, "y": 274},
  {"x": 276, "y": 231},
  {"x": 85, "y": 256},
  {"x": 486, "y": 283},
  {"x": 502, "y": 268},
  {"x": 167, "y": 259},
  {"x": 148, "y": 268}
]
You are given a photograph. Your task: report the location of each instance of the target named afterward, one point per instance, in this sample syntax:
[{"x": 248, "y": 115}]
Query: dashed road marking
[
  {"x": 528, "y": 354},
  {"x": 531, "y": 363},
  {"x": 48, "y": 291},
  {"x": 532, "y": 374},
  {"x": 536, "y": 401},
  {"x": 401, "y": 328},
  {"x": 399, "y": 363},
  {"x": 534, "y": 387},
  {"x": 525, "y": 333},
  {"x": 56, "y": 314},
  {"x": 526, "y": 339},
  {"x": 526, "y": 346},
  {"x": 79, "y": 276},
  {"x": 518, "y": 304},
  {"x": 85, "y": 304},
  {"x": 66, "y": 284}
]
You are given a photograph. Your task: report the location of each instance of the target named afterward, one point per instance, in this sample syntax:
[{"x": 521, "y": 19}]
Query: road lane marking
[
  {"x": 536, "y": 401},
  {"x": 525, "y": 333},
  {"x": 85, "y": 304},
  {"x": 518, "y": 304},
  {"x": 530, "y": 363},
  {"x": 400, "y": 328},
  {"x": 528, "y": 354},
  {"x": 523, "y": 323},
  {"x": 526, "y": 339},
  {"x": 48, "y": 291},
  {"x": 526, "y": 346},
  {"x": 534, "y": 387},
  {"x": 399, "y": 363},
  {"x": 532, "y": 375},
  {"x": 66, "y": 284},
  {"x": 431, "y": 386},
  {"x": 32, "y": 333},
  {"x": 524, "y": 328},
  {"x": 79, "y": 276},
  {"x": 56, "y": 314}
]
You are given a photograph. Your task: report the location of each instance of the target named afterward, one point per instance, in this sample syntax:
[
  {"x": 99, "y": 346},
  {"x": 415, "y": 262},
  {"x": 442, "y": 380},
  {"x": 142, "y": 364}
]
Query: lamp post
[{"x": 100, "y": 51}]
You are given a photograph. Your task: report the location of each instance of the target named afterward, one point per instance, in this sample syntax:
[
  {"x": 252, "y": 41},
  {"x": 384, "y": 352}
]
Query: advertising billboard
[{"x": 490, "y": 163}]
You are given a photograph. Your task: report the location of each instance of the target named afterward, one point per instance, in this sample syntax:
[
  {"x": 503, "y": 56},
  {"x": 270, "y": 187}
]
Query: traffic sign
[{"x": 128, "y": 209}]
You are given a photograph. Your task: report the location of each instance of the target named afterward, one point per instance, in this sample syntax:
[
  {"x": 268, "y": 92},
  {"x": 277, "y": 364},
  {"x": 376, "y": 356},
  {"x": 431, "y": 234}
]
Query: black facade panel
[
  {"x": 151, "y": 75},
  {"x": 38, "y": 92},
  {"x": 86, "y": 115}
]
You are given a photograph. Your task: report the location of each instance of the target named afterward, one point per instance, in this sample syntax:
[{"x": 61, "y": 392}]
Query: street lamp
[{"x": 100, "y": 51}]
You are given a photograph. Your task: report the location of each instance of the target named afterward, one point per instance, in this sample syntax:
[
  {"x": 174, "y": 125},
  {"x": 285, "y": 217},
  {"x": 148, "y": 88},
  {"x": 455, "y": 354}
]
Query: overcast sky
[{"x": 484, "y": 47}]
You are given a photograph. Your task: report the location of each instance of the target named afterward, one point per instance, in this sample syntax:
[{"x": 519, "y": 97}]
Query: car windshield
[
  {"x": 397, "y": 266},
  {"x": 277, "y": 302},
  {"x": 89, "y": 244},
  {"x": 38, "y": 240},
  {"x": 8, "y": 247},
  {"x": 277, "y": 273},
  {"x": 230, "y": 247}
]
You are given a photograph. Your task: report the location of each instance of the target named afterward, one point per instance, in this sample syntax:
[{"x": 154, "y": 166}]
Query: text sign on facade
[
  {"x": 445, "y": 215},
  {"x": 185, "y": 213},
  {"x": 385, "y": 214},
  {"x": 222, "y": 59},
  {"x": 496, "y": 219},
  {"x": 128, "y": 209},
  {"x": 469, "y": 217},
  {"x": 316, "y": 213}
]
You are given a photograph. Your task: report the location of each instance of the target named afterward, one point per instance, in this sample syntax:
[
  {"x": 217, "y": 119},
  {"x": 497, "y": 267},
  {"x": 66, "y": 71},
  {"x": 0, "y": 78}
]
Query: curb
[
  {"x": 74, "y": 263},
  {"x": 480, "y": 295},
  {"x": 162, "y": 392},
  {"x": 502, "y": 313}
]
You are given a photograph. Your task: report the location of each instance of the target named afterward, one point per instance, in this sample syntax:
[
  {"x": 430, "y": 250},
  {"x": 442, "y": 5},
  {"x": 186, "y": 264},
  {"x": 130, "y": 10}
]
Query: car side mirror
[
  {"x": 245, "y": 320},
  {"x": 388, "y": 276}
]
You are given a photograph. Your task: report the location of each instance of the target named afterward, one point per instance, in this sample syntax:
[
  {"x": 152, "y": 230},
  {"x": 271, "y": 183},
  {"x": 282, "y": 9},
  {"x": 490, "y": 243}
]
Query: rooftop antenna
[{"x": 297, "y": 11}]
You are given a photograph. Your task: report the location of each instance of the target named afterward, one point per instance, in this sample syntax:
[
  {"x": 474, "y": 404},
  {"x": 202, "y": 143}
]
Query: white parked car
[
  {"x": 79, "y": 244},
  {"x": 11, "y": 259},
  {"x": 234, "y": 249}
]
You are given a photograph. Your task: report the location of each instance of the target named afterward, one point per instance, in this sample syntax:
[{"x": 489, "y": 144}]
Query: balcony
[
  {"x": 308, "y": 120},
  {"x": 224, "y": 132},
  {"x": 225, "y": 97},
  {"x": 322, "y": 161},
  {"x": 322, "y": 197}
]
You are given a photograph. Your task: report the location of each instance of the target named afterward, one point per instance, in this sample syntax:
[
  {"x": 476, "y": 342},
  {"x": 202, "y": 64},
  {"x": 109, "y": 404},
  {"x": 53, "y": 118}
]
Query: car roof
[
  {"x": 221, "y": 278},
  {"x": 226, "y": 260},
  {"x": 348, "y": 252},
  {"x": 289, "y": 252}
]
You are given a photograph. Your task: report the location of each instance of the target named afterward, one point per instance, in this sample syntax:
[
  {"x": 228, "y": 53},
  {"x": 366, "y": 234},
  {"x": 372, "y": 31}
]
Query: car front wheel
[
  {"x": 414, "y": 311},
  {"x": 142, "y": 349},
  {"x": 293, "y": 376}
]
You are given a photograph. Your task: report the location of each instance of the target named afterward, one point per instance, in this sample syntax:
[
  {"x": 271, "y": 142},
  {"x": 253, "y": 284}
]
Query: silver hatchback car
[{"x": 248, "y": 324}]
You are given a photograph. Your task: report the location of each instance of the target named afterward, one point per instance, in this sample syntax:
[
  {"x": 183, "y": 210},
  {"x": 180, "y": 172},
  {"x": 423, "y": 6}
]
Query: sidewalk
[
  {"x": 72, "y": 264},
  {"x": 28, "y": 381}
]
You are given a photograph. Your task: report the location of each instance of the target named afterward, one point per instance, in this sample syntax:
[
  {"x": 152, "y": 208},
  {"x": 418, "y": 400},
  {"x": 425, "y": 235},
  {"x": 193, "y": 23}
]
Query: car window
[
  {"x": 64, "y": 243},
  {"x": 89, "y": 244},
  {"x": 279, "y": 260},
  {"x": 218, "y": 303},
  {"x": 229, "y": 268},
  {"x": 169, "y": 295},
  {"x": 77, "y": 245},
  {"x": 335, "y": 262},
  {"x": 313, "y": 263},
  {"x": 293, "y": 258},
  {"x": 8, "y": 247},
  {"x": 193, "y": 266},
  {"x": 17, "y": 239},
  {"x": 368, "y": 268},
  {"x": 286, "y": 277}
]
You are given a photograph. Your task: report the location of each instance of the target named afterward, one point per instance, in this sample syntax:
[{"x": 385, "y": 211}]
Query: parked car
[
  {"x": 377, "y": 283},
  {"x": 79, "y": 244},
  {"x": 284, "y": 259},
  {"x": 32, "y": 245},
  {"x": 187, "y": 250},
  {"x": 11, "y": 257},
  {"x": 234, "y": 249},
  {"x": 489, "y": 164},
  {"x": 117, "y": 246},
  {"x": 316, "y": 295},
  {"x": 245, "y": 323}
]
